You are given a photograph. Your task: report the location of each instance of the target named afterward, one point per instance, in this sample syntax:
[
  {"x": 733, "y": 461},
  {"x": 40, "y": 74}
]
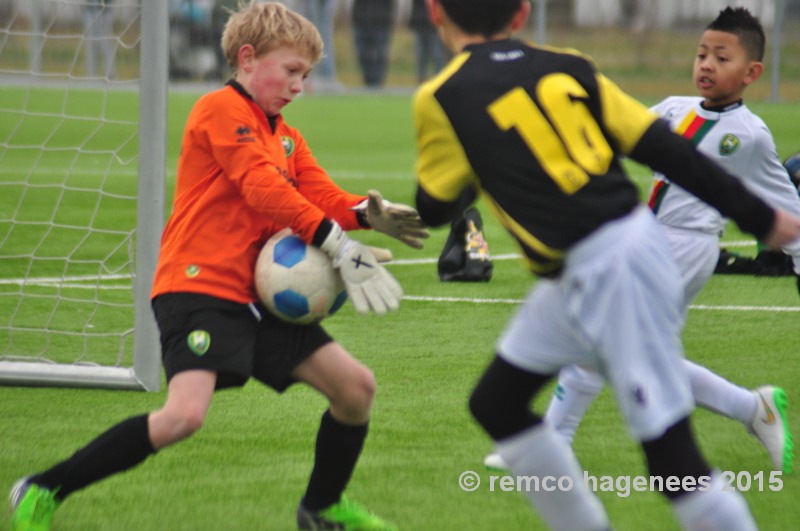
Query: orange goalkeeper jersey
[{"x": 241, "y": 178}]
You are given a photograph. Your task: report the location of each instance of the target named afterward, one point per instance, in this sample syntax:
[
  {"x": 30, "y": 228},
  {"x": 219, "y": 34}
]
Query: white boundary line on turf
[
  {"x": 416, "y": 261},
  {"x": 71, "y": 282},
  {"x": 514, "y": 256},
  {"x": 469, "y": 300},
  {"x": 745, "y": 308}
]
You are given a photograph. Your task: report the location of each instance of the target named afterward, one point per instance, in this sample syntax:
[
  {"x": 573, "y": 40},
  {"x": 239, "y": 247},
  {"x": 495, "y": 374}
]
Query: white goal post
[{"x": 82, "y": 182}]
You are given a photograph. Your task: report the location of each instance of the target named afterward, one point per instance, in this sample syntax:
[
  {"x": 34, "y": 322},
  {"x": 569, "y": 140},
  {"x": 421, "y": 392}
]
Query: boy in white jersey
[{"x": 724, "y": 129}]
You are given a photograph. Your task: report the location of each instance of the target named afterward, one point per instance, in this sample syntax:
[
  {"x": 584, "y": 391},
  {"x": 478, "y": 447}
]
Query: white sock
[
  {"x": 714, "y": 509},
  {"x": 717, "y": 394},
  {"x": 539, "y": 453},
  {"x": 577, "y": 389}
]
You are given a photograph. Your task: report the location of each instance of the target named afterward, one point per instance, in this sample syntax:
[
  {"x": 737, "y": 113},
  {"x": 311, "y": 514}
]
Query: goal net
[{"x": 81, "y": 190}]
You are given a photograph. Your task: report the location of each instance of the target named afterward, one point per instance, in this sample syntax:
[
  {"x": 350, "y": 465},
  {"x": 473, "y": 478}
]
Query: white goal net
[{"x": 81, "y": 197}]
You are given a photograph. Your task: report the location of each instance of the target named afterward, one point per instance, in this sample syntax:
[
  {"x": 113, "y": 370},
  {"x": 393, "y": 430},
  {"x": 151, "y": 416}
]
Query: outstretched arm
[
  {"x": 677, "y": 158},
  {"x": 436, "y": 213}
]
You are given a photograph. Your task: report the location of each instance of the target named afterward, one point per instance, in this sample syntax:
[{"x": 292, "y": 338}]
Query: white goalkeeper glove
[
  {"x": 369, "y": 286},
  {"x": 398, "y": 221},
  {"x": 383, "y": 256}
]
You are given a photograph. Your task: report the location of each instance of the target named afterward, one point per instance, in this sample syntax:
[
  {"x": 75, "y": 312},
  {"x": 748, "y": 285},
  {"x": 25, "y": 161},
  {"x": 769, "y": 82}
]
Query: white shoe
[
  {"x": 771, "y": 427},
  {"x": 493, "y": 461}
]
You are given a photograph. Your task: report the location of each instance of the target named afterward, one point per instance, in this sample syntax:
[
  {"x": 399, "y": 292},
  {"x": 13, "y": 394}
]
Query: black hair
[
  {"x": 740, "y": 22},
  {"x": 481, "y": 17}
]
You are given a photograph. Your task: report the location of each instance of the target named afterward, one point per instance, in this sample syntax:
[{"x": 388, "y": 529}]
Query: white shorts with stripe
[
  {"x": 696, "y": 254},
  {"x": 618, "y": 308}
]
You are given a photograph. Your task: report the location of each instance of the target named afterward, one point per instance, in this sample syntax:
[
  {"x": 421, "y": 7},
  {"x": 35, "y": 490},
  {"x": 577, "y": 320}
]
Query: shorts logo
[
  {"x": 559, "y": 392},
  {"x": 199, "y": 341},
  {"x": 192, "y": 271},
  {"x": 639, "y": 395},
  {"x": 288, "y": 145},
  {"x": 729, "y": 144}
]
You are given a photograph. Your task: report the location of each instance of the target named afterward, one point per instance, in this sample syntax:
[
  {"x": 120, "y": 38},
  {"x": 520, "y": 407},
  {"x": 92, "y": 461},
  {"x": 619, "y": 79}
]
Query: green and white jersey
[{"x": 737, "y": 140}]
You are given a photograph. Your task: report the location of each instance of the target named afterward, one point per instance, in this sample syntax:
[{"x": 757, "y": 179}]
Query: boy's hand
[
  {"x": 785, "y": 229},
  {"x": 396, "y": 220},
  {"x": 369, "y": 286}
]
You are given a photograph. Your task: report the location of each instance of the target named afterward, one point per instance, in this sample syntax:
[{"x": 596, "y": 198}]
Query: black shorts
[{"x": 204, "y": 332}]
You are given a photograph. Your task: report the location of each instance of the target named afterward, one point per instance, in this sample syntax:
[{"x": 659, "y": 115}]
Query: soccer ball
[{"x": 297, "y": 282}]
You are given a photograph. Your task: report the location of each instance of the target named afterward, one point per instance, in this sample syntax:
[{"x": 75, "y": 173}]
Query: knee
[
  {"x": 191, "y": 421},
  {"x": 170, "y": 426},
  {"x": 675, "y": 453},
  {"x": 355, "y": 398},
  {"x": 500, "y": 402}
]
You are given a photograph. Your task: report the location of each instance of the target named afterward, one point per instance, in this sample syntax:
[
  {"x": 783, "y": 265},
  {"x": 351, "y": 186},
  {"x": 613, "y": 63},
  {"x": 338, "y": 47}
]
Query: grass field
[{"x": 248, "y": 467}]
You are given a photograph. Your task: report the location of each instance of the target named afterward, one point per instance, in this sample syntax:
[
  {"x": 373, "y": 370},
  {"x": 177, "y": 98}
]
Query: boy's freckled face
[
  {"x": 721, "y": 67},
  {"x": 277, "y": 77}
]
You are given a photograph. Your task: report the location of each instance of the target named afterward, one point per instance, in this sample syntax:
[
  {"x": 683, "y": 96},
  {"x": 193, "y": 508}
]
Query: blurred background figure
[
  {"x": 98, "y": 36},
  {"x": 322, "y": 13},
  {"x": 219, "y": 16},
  {"x": 372, "y": 28},
  {"x": 427, "y": 46}
]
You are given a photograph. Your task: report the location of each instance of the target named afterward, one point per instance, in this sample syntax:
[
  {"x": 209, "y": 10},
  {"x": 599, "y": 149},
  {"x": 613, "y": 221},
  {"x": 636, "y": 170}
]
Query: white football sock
[
  {"x": 714, "y": 509},
  {"x": 717, "y": 394},
  {"x": 577, "y": 389},
  {"x": 539, "y": 453}
]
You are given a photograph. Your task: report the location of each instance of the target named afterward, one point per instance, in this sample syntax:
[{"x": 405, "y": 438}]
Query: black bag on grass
[{"x": 465, "y": 257}]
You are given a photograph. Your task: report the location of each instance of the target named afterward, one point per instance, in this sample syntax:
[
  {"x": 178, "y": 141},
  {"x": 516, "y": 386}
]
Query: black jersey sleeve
[
  {"x": 675, "y": 157},
  {"x": 436, "y": 213}
]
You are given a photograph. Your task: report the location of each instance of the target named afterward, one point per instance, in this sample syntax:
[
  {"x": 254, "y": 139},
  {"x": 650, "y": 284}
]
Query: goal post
[
  {"x": 82, "y": 191},
  {"x": 151, "y": 184},
  {"x": 152, "y": 180}
]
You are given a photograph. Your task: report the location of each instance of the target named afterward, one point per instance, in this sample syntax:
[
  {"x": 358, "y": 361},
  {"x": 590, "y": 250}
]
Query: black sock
[
  {"x": 125, "y": 445},
  {"x": 337, "y": 450}
]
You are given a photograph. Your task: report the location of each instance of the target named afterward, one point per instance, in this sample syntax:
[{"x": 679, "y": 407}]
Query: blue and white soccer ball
[{"x": 297, "y": 282}]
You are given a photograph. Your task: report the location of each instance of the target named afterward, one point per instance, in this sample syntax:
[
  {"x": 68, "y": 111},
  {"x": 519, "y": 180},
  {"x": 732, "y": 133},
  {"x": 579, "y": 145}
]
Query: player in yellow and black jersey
[{"x": 540, "y": 133}]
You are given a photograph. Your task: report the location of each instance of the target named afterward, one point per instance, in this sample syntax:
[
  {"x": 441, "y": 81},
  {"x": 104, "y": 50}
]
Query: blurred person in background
[
  {"x": 322, "y": 13},
  {"x": 428, "y": 47},
  {"x": 219, "y": 16},
  {"x": 372, "y": 30},
  {"x": 98, "y": 35}
]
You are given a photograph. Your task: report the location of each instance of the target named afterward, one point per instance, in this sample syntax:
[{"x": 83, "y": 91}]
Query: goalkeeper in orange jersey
[{"x": 243, "y": 175}]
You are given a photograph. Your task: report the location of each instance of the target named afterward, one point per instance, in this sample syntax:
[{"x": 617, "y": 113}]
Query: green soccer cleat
[
  {"x": 33, "y": 506},
  {"x": 494, "y": 463},
  {"x": 344, "y": 515},
  {"x": 771, "y": 426}
]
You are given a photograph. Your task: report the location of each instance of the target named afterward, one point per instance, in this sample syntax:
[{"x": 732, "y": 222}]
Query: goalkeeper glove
[
  {"x": 368, "y": 284},
  {"x": 398, "y": 221},
  {"x": 383, "y": 256}
]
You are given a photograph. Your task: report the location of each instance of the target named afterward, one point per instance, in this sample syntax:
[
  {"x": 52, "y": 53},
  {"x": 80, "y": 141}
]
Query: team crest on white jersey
[{"x": 729, "y": 144}]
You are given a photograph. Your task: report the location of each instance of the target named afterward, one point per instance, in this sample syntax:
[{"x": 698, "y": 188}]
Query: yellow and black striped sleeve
[
  {"x": 625, "y": 118},
  {"x": 442, "y": 167}
]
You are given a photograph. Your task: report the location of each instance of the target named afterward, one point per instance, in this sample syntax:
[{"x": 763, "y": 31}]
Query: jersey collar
[
  {"x": 235, "y": 85},
  {"x": 723, "y": 108}
]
